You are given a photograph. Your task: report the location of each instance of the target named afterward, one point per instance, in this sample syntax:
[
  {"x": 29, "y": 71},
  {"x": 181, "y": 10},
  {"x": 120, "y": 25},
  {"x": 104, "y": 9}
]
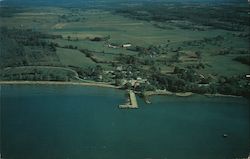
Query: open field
[
  {"x": 70, "y": 57},
  {"x": 121, "y": 30}
]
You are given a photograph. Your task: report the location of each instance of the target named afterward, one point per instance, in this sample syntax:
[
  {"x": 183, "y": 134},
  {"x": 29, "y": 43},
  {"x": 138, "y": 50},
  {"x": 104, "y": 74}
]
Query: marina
[{"x": 131, "y": 102}]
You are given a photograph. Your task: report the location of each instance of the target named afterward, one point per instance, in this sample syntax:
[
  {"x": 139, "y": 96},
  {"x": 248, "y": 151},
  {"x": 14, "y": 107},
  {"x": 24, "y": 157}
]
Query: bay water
[{"x": 75, "y": 122}]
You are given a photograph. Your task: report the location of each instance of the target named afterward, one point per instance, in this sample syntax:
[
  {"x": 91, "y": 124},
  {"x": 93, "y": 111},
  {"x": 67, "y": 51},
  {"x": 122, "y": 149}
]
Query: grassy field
[
  {"x": 70, "y": 57},
  {"x": 122, "y": 30}
]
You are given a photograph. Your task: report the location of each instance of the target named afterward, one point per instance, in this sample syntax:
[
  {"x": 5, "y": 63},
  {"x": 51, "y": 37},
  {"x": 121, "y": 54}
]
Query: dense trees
[
  {"x": 37, "y": 74},
  {"x": 243, "y": 59},
  {"x": 91, "y": 73},
  {"x": 183, "y": 80},
  {"x": 231, "y": 17},
  {"x": 124, "y": 59},
  {"x": 22, "y": 47},
  {"x": 12, "y": 53}
]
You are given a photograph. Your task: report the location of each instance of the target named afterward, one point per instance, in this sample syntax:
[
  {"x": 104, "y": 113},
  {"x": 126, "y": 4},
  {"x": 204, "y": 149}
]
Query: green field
[{"x": 70, "y": 57}]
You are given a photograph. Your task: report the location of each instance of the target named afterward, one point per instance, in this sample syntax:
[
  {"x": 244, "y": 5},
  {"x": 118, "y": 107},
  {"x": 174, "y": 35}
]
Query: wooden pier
[{"x": 132, "y": 102}]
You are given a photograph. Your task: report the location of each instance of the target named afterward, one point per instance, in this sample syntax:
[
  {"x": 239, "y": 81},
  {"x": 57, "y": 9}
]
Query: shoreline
[
  {"x": 167, "y": 93},
  {"x": 185, "y": 94},
  {"x": 147, "y": 94},
  {"x": 96, "y": 84},
  {"x": 221, "y": 95}
]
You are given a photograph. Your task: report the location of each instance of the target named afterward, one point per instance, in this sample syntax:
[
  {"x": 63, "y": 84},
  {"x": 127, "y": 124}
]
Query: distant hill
[{"x": 100, "y": 2}]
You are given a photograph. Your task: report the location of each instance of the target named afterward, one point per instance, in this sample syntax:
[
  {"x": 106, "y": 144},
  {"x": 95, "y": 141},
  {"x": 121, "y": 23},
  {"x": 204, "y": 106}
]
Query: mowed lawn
[{"x": 69, "y": 57}]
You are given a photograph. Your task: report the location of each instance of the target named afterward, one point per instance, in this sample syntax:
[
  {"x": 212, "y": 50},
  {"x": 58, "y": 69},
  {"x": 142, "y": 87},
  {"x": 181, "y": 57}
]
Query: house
[
  {"x": 113, "y": 46},
  {"x": 135, "y": 82},
  {"x": 119, "y": 68},
  {"x": 126, "y": 45},
  {"x": 140, "y": 80},
  {"x": 108, "y": 72}
]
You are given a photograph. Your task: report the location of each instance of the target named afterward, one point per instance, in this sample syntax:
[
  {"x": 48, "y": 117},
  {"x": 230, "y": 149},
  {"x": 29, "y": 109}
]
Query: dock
[{"x": 132, "y": 101}]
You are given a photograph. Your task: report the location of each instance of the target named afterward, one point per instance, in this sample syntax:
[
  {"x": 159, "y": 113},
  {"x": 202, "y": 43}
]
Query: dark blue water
[{"x": 73, "y": 122}]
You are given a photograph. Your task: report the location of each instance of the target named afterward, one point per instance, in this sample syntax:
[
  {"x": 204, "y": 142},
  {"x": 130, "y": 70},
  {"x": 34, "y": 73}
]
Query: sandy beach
[
  {"x": 106, "y": 85},
  {"x": 221, "y": 95},
  {"x": 165, "y": 92},
  {"x": 96, "y": 84}
]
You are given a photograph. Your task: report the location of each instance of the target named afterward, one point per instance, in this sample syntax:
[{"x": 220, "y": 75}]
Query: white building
[
  {"x": 112, "y": 46},
  {"x": 126, "y": 45}
]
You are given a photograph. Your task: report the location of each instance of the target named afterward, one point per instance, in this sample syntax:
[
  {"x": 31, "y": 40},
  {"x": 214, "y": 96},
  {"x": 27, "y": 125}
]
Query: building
[
  {"x": 126, "y": 45},
  {"x": 113, "y": 46},
  {"x": 119, "y": 68}
]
